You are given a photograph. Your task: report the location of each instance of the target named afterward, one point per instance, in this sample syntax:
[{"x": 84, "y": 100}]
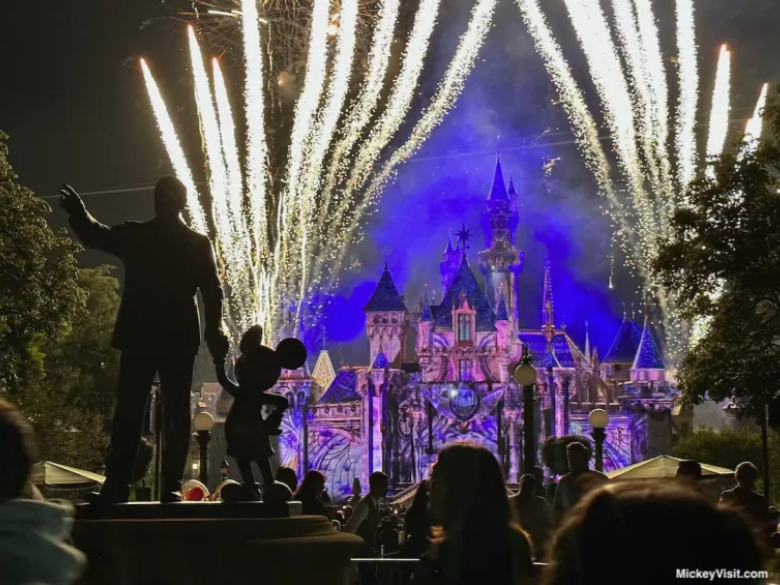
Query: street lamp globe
[
  {"x": 203, "y": 422},
  {"x": 598, "y": 418},
  {"x": 525, "y": 375}
]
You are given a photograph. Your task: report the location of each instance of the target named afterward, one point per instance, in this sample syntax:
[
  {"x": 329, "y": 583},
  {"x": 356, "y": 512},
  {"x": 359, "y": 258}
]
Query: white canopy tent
[{"x": 56, "y": 476}]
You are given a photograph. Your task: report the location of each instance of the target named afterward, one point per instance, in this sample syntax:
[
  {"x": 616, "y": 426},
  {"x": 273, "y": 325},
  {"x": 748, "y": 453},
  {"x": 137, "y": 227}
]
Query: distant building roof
[
  {"x": 385, "y": 297},
  {"x": 465, "y": 281},
  {"x": 343, "y": 388},
  {"x": 623, "y": 349}
]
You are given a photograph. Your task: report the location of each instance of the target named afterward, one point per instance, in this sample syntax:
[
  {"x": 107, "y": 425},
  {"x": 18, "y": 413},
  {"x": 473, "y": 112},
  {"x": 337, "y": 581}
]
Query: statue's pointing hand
[{"x": 70, "y": 201}]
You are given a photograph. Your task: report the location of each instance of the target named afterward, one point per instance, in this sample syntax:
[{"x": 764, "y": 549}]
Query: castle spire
[
  {"x": 548, "y": 314},
  {"x": 449, "y": 249},
  {"x": 587, "y": 340},
  {"x": 501, "y": 313},
  {"x": 425, "y": 313},
  {"x": 512, "y": 192},
  {"x": 648, "y": 356},
  {"x": 498, "y": 189}
]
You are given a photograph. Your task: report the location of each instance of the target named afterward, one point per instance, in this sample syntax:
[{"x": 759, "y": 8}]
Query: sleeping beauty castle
[{"x": 394, "y": 413}]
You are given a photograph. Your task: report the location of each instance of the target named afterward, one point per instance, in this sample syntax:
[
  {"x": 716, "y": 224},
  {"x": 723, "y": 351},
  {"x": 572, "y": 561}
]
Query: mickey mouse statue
[{"x": 248, "y": 435}]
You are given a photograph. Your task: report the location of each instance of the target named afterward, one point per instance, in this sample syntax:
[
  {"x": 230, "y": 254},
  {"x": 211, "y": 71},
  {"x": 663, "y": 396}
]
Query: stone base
[{"x": 130, "y": 546}]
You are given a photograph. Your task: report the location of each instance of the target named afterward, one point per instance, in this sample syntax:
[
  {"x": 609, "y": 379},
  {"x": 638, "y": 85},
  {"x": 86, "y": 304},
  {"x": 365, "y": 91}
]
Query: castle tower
[
  {"x": 425, "y": 325},
  {"x": 619, "y": 359},
  {"x": 500, "y": 262},
  {"x": 387, "y": 320},
  {"x": 450, "y": 262},
  {"x": 648, "y": 365},
  {"x": 503, "y": 335}
]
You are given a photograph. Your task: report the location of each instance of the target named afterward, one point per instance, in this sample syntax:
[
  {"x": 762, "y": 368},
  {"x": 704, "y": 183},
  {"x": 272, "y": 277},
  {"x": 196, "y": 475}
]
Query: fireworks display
[
  {"x": 275, "y": 243},
  {"x": 635, "y": 102}
]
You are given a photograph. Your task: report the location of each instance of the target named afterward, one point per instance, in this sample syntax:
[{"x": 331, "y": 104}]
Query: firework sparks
[
  {"x": 721, "y": 107},
  {"x": 401, "y": 98},
  {"x": 689, "y": 94},
  {"x": 175, "y": 152},
  {"x": 269, "y": 271},
  {"x": 360, "y": 115},
  {"x": 755, "y": 125}
]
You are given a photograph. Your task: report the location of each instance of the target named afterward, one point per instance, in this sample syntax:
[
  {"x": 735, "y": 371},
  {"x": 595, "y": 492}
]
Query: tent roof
[
  {"x": 50, "y": 474},
  {"x": 662, "y": 467}
]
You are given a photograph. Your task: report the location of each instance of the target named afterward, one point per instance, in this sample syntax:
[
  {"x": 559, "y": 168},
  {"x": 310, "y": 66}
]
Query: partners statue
[
  {"x": 247, "y": 434},
  {"x": 157, "y": 329}
]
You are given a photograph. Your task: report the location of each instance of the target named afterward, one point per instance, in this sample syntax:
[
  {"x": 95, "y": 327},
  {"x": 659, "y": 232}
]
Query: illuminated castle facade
[{"x": 396, "y": 412}]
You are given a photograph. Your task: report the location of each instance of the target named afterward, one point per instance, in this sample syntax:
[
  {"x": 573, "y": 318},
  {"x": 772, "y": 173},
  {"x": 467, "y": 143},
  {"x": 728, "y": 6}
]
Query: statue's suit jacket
[{"x": 166, "y": 263}]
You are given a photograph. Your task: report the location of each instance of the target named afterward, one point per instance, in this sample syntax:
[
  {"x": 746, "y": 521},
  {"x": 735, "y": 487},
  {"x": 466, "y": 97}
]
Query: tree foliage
[
  {"x": 722, "y": 264},
  {"x": 38, "y": 279},
  {"x": 55, "y": 321},
  {"x": 730, "y": 447}
]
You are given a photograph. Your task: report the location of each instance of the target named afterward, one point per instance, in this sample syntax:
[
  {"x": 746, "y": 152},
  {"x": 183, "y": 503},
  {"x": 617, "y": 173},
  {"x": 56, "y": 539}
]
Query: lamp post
[
  {"x": 599, "y": 419},
  {"x": 526, "y": 375},
  {"x": 224, "y": 470},
  {"x": 203, "y": 422}
]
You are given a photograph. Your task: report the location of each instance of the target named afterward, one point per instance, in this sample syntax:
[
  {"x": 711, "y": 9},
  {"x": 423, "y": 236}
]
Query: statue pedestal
[{"x": 208, "y": 543}]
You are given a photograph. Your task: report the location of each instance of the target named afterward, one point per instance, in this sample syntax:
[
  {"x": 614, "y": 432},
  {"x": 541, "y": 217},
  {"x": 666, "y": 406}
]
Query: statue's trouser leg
[
  {"x": 136, "y": 375},
  {"x": 175, "y": 386},
  {"x": 265, "y": 471},
  {"x": 245, "y": 467}
]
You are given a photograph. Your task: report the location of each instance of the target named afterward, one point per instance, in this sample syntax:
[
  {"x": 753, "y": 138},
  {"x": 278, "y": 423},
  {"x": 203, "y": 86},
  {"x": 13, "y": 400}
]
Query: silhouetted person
[
  {"x": 534, "y": 514},
  {"x": 417, "y": 524},
  {"x": 288, "y": 477},
  {"x": 541, "y": 490},
  {"x": 476, "y": 541},
  {"x": 365, "y": 522},
  {"x": 158, "y": 326},
  {"x": 579, "y": 481},
  {"x": 688, "y": 471},
  {"x": 310, "y": 494},
  {"x": 631, "y": 520},
  {"x": 33, "y": 533},
  {"x": 744, "y": 495}
]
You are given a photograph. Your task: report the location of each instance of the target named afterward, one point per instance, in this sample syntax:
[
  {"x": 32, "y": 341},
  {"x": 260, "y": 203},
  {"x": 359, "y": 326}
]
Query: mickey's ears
[
  {"x": 291, "y": 353},
  {"x": 252, "y": 338}
]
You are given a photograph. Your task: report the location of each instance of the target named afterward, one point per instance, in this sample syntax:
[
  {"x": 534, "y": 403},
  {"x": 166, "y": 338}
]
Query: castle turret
[
  {"x": 618, "y": 360},
  {"x": 648, "y": 364},
  {"x": 387, "y": 319},
  {"x": 450, "y": 261},
  {"x": 503, "y": 325},
  {"x": 323, "y": 374},
  {"x": 500, "y": 262},
  {"x": 425, "y": 325}
]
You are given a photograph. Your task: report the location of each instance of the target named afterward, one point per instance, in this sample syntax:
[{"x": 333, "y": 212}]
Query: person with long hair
[
  {"x": 417, "y": 524},
  {"x": 310, "y": 494},
  {"x": 476, "y": 540},
  {"x": 534, "y": 514},
  {"x": 648, "y": 534}
]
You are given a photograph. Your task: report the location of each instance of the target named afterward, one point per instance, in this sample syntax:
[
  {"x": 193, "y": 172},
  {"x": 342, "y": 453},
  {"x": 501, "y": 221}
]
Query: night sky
[{"x": 73, "y": 102}]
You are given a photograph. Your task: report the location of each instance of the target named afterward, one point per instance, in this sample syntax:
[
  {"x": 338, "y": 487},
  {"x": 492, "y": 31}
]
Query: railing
[{"x": 389, "y": 571}]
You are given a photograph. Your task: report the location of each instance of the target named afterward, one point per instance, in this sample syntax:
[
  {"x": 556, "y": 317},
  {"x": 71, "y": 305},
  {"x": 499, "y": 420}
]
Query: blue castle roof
[
  {"x": 342, "y": 389},
  {"x": 465, "y": 281},
  {"x": 648, "y": 356},
  {"x": 380, "y": 362},
  {"x": 563, "y": 349},
  {"x": 498, "y": 189},
  {"x": 623, "y": 349},
  {"x": 385, "y": 297}
]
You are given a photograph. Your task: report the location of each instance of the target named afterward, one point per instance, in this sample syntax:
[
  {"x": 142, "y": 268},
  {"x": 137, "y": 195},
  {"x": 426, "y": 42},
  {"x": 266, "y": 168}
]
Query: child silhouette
[{"x": 257, "y": 370}]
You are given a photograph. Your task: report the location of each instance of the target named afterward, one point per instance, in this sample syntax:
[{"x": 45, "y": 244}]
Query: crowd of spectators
[{"x": 464, "y": 525}]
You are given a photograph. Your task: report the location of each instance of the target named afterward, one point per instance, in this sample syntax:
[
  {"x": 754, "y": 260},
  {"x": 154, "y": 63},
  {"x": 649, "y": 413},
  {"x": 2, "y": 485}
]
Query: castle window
[
  {"x": 464, "y": 368},
  {"x": 464, "y": 327}
]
